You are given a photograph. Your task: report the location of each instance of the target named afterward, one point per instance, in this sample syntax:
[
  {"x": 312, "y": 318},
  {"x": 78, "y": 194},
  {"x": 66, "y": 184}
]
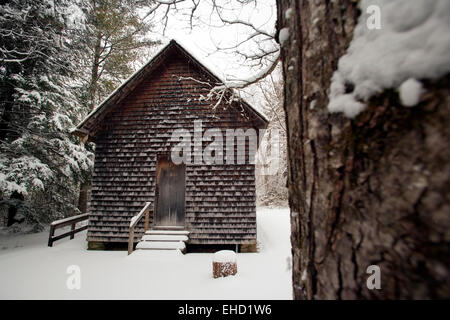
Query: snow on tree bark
[{"x": 368, "y": 191}]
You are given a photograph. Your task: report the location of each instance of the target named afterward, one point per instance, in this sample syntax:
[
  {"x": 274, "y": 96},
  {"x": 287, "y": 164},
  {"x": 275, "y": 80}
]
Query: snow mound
[
  {"x": 224, "y": 256},
  {"x": 164, "y": 256},
  {"x": 347, "y": 104},
  {"x": 413, "y": 42},
  {"x": 283, "y": 37},
  {"x": 410, "y": 92}
]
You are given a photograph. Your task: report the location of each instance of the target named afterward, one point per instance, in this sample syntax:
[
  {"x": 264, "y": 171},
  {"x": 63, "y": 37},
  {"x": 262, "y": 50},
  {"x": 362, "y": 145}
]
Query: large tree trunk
[
  {"x": 369, "y": 191},
  {"x": 93, "y": 84},
  {"x": 83, "y": 198}
]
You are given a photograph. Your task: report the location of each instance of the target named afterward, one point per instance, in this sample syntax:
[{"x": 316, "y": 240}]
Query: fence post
[
  {"x": 50, "y": 236},
  {"x": 131, "y": 241},
  {"x": 71, "y": 229}
]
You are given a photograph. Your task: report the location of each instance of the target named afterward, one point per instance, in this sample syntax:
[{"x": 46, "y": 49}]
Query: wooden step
[
  {"x": 167, "y": 232},
  {"x": 168, "y": 228},
  {"x": 165, "y": 237},
  {"x": 161, "y": 245}
]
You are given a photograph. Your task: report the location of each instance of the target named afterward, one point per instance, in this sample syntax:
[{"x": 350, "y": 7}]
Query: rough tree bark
[
  {"x": 374, "y": 190},
  {"x": 83, "y": 198},
  {"x": 93, "y": 85}
]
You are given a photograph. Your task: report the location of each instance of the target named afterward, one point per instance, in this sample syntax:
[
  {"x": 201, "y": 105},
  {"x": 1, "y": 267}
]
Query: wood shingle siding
[{"x": 131, "y": 134}]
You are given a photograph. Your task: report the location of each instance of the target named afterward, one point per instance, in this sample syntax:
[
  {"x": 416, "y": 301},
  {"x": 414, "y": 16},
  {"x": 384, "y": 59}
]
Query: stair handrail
[{"x": 134, "y": 221}]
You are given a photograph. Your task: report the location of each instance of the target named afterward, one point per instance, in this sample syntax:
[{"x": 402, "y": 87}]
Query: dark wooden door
[{"x": 170, "y": 191}]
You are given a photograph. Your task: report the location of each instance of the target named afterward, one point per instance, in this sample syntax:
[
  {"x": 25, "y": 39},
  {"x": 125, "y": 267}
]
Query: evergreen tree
[
  {"x": 40, "y": 162},
  {"x": 114, "y": 37}
]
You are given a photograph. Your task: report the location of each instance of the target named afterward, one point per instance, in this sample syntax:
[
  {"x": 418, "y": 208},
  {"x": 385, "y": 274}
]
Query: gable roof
[{"x": 84, "y": 128}]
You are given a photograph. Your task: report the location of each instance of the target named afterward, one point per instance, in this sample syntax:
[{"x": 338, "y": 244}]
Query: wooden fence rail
[
  {"x": 71, "y": 221},
  {"x": 134, "y": 221}
]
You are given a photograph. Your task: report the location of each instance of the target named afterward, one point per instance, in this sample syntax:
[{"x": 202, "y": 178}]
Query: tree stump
[{"x": 224, "y": 263}]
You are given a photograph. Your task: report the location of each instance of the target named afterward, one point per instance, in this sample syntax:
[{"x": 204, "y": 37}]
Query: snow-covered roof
[{"x": 130, "y": 83}]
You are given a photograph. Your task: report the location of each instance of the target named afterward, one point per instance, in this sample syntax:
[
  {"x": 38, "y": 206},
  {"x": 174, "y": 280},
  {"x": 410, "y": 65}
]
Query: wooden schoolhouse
[{"x": 195, "y": 203}]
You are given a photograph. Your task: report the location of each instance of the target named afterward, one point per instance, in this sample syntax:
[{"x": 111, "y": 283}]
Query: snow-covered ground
[{"x": 31, "y": 270}]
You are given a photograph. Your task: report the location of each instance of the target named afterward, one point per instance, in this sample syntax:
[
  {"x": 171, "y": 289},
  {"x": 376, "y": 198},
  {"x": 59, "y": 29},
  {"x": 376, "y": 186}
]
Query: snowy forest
[{"x": 356, "y": 93}]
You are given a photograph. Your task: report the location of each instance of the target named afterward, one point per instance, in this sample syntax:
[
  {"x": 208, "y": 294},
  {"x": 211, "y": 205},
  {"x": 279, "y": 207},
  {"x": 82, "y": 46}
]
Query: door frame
[{"x": 166, "y": 157}]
